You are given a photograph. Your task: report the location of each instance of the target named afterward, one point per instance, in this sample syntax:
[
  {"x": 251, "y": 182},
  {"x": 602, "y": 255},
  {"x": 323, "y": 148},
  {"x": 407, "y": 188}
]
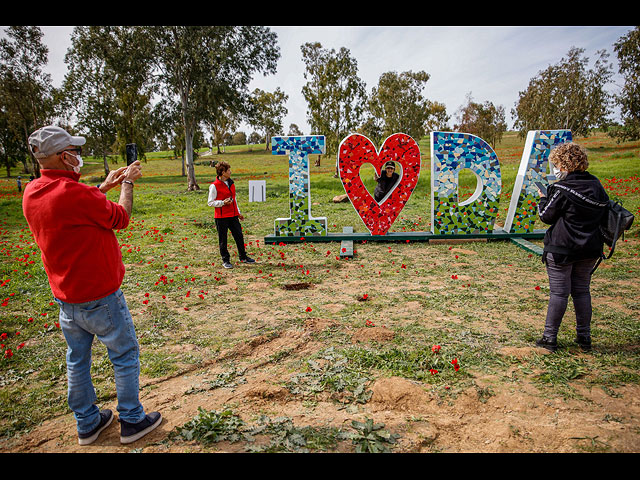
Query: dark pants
[
  {"x": 572, "y": 279},
  {"x": 230, "y": 224}
]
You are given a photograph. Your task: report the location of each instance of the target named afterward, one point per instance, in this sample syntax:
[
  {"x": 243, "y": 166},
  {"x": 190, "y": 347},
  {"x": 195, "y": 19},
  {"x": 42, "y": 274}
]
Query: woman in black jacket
[{"x": 574, "y": 207}]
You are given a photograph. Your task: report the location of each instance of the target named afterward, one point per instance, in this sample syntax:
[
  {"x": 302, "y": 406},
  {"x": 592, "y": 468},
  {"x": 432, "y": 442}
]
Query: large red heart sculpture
[{"x": 356, "y": 150}]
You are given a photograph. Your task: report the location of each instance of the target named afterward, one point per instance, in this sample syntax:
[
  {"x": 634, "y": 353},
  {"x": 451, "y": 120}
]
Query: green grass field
[{"x": 182, "y": 300}]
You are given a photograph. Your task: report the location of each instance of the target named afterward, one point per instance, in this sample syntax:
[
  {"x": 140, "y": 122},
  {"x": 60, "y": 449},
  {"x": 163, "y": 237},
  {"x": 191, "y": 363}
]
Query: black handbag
[{"x": 614, "y": 223}]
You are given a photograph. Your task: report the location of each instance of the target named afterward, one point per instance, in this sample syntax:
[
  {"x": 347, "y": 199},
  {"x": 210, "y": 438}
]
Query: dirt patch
[
  {"x": 297, "y": 286},
  {"x": 372, "y": 334},
  {"x": 519, "y": 352},
  {"x": 268, "y": 392},
  {"x": 333, "y": 307},
  {"x": 398, "y": 393},
  {"x": 318, "y": 324},
  {"x": 464, "y": 251}
]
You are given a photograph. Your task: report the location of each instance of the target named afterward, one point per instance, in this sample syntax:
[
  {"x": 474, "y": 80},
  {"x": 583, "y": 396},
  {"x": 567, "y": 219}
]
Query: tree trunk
[
  {"x": 34, "y": 161},
  {"x": 106, "y": 164},
  {"x": 192, "y": 184},
  {"x": 36, "y": 167}
]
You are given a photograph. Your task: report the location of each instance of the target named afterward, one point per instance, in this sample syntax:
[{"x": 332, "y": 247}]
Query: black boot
[
  {"x": 549, "y": 344},
  {"x": 584, "y": 341}
]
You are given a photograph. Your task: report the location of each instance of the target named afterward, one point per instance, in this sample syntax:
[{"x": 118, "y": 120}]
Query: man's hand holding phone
[
  {"x": 114, "y": 178},
  {"x": 133, "y": 171}
]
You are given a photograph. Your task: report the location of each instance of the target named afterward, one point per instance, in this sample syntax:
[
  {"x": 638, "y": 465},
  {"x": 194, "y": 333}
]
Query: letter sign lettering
[
  {"x": 300, "y": 221},
  {"x": 522, "y": 212},
  {"x": 450, "y": 153}
]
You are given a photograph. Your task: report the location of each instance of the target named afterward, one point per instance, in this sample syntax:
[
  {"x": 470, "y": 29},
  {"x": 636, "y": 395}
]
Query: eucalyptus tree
[
  {"x": 268, "y": 111},
  {"x": 179, "y": 144},
  {"x": 165, "y": 120},
  {"x": 109, "y": 88},
  {"x": 12, "y": 146},
  {"x": 294, "y": 130},
  {"x": 335, "y": 95},
  {"x": 207, "y": 69},
  {"x": 89, "y": 93},
  {"x": 26, "y": 92},
  {"x": 628, "y": 50},
  {"x": 485, "y": 120},
  {"x": 129, "y": 55},
  {"x": 397, "y": 104},
  {"x": 221, "y": 124},
  {"x": 567, "y": 95}
]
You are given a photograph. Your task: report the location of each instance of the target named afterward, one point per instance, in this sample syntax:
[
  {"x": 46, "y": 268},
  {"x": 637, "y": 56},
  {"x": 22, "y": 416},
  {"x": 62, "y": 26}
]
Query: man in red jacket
[
  {"x": 222, "y": 196},
  {"x": 73, "y": 224}
]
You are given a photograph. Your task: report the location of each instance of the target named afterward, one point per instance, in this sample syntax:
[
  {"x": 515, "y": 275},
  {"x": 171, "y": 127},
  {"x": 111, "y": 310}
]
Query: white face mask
[
  {"x": 560, "y": 175},
  {"x": 76, "y": 168}
]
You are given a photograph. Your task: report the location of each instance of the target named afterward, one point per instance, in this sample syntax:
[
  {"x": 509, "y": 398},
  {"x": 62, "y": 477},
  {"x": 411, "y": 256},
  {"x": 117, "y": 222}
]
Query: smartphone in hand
[
  {"x": 132, "y": 153},
  {"x": 542, "y": 187}
]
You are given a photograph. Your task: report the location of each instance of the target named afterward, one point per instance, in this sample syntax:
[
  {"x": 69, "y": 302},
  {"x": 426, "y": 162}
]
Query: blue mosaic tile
[
  {"x": 300, "y": 221},
  {"x": 450, "y": 153},
  {"x": 534, "y": 165}
]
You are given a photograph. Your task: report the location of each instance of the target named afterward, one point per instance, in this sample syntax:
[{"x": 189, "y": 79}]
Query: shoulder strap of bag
[
  {"x": 584, "y": 198},
  {"x": 597, "y": 264}
]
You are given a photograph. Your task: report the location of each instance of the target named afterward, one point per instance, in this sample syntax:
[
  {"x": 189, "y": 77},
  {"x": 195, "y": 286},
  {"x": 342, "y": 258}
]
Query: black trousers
[
  {"x": 573, "y": 280},
  {"x": 224, "y": 225}
]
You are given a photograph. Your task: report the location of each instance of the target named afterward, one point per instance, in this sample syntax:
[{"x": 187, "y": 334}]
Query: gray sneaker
[
  {"x": 130, "y": 432},
  {"x": 227, "y": 265}
]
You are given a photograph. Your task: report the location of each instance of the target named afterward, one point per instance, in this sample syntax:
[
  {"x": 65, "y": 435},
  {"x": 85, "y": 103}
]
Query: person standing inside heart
[{"x": 385, "y": 182}]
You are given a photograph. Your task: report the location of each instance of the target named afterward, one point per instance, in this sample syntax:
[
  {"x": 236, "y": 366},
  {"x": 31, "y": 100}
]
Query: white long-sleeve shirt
[{"x": 213, "y": 193}]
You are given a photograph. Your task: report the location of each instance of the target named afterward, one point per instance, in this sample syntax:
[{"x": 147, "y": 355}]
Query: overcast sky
[{"x": 492, "y": 63}]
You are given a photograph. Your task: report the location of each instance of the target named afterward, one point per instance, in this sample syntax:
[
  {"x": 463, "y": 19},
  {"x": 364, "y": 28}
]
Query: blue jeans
[
  {"x": 108, "y": 319},
  {"x": 571, "y": 279}
]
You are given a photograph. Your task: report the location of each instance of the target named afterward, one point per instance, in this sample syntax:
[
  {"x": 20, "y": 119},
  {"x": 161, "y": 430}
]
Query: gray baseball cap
[{"x": 51, "y": 139}]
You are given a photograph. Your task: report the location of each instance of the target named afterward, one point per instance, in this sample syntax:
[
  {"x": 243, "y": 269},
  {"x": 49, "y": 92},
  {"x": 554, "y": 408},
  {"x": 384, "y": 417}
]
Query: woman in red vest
[{"x": 222, "y": 196}]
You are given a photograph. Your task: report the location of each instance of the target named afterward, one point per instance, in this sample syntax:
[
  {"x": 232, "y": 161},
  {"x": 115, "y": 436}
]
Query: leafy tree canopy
[
  {"x": 482, "y": 119},
  {"x": 334, "y": 93},
  {"x": 628, "y": 51},
  {"x": 567, "y": 95},
  {"x": 397, "y": 104}
]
